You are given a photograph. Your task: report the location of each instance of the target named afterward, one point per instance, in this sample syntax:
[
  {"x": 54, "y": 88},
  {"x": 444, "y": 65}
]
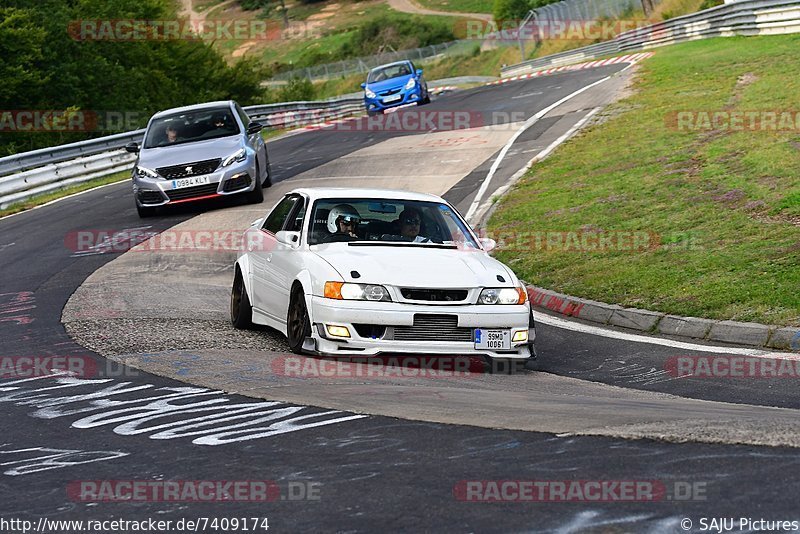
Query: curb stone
[{"x": 695, "y": 328}]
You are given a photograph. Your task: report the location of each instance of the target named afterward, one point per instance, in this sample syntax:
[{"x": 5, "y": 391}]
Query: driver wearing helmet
[{"x": 343, "y": 222}]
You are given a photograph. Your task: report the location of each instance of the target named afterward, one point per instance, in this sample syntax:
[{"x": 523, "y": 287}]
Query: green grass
[
  {"x": 725, "y": 204},
  {"x": 459, "y": 6},
  {"x": 47, "y": 197}
]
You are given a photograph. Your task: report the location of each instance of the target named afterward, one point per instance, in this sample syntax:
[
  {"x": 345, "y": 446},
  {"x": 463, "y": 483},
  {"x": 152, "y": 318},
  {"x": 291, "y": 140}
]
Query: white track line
[
  {"x": 527, "y": 124},
  {"x": 479, "y": 213},
  {"x": 62, "y": 198},
  {"x": 637, "y": 338}
]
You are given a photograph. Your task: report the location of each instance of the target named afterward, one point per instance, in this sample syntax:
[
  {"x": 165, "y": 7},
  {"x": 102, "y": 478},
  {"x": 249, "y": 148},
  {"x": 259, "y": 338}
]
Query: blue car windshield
[
  {"x": 191, "y": 126},
  {"x": 390, "y": 71}
]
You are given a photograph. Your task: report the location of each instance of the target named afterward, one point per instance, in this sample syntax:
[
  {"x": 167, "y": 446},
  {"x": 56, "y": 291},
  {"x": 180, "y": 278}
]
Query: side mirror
[
  {"x": 288, "y": 238},
  {"x": 419, "y": 72},
  {"x": 257, "y": 222},
  {"x": 254, "y": 128},
  {"x": 363, "y": 85},
  {"x": 133, "y": 148},
  {"x": 488, "y": 244}
]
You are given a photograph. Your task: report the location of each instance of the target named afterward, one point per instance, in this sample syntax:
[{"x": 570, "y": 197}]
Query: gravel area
[{"x": 113, "y": 337}]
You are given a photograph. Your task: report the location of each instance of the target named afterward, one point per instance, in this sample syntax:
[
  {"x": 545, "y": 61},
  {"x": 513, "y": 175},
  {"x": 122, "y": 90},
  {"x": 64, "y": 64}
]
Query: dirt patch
[{"x": 742, "y": 82}]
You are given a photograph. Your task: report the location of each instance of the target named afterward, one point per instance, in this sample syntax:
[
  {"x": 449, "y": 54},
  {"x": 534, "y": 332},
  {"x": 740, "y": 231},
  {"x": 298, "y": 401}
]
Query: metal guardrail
[{"x": 741, "y": 17}]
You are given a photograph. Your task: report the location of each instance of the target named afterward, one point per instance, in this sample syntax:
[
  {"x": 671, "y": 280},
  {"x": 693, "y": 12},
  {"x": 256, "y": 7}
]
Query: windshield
[
  {"x": 403, "y": 221},
  {"x": 191, "y": 126},
  {"x": 388, "y": 72}
]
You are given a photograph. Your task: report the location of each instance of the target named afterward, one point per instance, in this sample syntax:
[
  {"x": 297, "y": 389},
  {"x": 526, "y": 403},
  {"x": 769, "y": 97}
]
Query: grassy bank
[
  {"x": 459, "y": 6},
  {"x": 723, "y": 203}
]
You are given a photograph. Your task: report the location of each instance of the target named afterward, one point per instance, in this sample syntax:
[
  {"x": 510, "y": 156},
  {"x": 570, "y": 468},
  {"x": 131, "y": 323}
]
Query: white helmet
[{"x": 342, "y": 210}]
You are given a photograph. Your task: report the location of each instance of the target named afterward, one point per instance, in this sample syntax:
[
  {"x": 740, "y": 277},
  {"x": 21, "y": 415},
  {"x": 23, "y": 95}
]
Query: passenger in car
[{"x": 410, "y": 225}]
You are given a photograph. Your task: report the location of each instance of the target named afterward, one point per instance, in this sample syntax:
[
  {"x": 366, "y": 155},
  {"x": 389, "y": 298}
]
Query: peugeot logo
[{"x": 188, "y": 170}]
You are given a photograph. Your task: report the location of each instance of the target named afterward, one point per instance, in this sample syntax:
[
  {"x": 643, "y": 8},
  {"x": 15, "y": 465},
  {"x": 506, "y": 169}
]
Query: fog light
[
  {"x": 342, "y": 331},
  {"x": 522, "y": 335}
]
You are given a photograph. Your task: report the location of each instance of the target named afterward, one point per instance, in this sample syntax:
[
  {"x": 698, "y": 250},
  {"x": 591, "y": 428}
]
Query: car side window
[
  {"x": 295, "y": 222},
  {"x": 275, "y": 221},
  {"x": 243, "y": 115}
]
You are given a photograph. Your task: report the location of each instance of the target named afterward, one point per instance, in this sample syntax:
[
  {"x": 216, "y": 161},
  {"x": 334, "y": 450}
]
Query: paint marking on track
[{"x": 638, "y": 338}]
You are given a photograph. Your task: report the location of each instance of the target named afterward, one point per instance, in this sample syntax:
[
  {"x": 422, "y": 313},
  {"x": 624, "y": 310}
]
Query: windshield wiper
[{"x": 400, "y": 244}]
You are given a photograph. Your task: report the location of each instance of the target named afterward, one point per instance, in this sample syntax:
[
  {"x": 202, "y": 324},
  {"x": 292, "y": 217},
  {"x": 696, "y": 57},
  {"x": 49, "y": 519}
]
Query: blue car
[{"x": 393, "y": 85}]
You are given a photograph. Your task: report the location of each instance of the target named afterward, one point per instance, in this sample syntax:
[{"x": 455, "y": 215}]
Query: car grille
[
  {"x": 429, "y": 327},
  {"x": 194, "y": 169},
  {"x": 437, "y": 295},
  {"x": 191, "y": 192},
  {"x": 150, "y": 197},
  {"x": 239, "y": 182},
  {"x": 390, "y": 92}
]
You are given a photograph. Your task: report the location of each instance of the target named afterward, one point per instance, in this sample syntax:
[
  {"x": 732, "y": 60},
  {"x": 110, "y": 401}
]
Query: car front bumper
[
  {"x": 410, "y": 96},
  {"x": 231, "y": 180},
  {"x": 388, "y": 318}
]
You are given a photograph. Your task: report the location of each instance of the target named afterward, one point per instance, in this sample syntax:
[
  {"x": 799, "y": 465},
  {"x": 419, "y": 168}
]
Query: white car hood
[{"x": 416, "y": 266}]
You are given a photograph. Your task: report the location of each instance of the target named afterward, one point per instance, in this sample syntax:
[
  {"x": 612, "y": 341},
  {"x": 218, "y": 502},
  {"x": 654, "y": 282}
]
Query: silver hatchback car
[{"x": 199, "y": 152}]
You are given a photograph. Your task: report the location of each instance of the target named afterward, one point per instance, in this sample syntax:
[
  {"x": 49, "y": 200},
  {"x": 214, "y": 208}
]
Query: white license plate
[
  {"x": 393, "y": 98},
  {"x": 492, "y": 339},
  {"x": 190, "y": 182}
]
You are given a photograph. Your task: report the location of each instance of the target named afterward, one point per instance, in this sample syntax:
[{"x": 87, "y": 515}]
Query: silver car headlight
[
  {"x": 348, "y": 291},
  {"x": 144, "y": 172},
  {"x": 410, "y": 84},
  {"x": 502, "y": 295},
  {"x": 369, "y": 94},
  {"x": 238, "y": 157}
]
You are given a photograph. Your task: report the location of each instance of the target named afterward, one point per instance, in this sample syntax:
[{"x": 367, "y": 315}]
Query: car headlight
[
  {"x": 144, "y": 172},
  {"x": 238, "y": 157},
  {"x": 348, "y": 291},
  {"x": 369, "y": 94},
  {"x": 410, "y": 84},
  {"x": 504, "y": 295}
]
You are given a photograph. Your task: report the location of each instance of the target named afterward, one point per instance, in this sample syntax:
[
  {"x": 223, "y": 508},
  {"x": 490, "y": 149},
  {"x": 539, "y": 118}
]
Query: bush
[
  {"x": 297, "y": 89},
  {"x": 505, "y": 10},
  {"x": 710, "y": 3},
  {"x": 388, "y": 33}
]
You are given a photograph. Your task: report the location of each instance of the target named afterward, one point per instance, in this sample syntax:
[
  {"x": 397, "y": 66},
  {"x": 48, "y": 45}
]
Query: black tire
[
  {"x": 298, "y": 324},
  {"x": 145, "y": 211},
  {"x": 256, "y": 196},
  {"x": 374, "y": 113},
  {"x": 268, "y": 180},
  {"x": 241, "y": 309}
]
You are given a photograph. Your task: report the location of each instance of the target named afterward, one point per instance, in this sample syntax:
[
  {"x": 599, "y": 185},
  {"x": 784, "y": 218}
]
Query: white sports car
[{"x": 360, "y": 272}]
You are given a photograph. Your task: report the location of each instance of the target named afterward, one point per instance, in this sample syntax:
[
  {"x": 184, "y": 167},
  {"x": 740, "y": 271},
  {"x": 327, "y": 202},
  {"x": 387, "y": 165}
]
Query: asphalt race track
[{"x": 395, "y": 460}]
